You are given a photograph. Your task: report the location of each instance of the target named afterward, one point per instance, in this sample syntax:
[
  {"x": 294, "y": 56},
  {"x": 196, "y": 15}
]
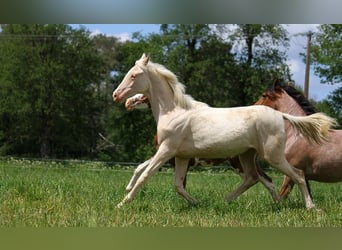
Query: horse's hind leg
[
  {"x": 279, "y": 161},
  {"x": 250, "y": 176}
]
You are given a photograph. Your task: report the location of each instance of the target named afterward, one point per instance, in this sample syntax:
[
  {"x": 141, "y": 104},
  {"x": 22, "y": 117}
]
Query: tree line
[{"x": 56, "y": 82}]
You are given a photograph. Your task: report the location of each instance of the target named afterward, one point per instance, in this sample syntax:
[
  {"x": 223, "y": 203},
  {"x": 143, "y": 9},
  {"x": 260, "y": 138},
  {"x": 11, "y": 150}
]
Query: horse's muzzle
[{"x": 116, "y": 96}]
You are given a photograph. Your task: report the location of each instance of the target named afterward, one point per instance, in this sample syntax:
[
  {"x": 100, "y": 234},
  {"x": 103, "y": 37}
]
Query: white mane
[{"x": 178, "y": 89}]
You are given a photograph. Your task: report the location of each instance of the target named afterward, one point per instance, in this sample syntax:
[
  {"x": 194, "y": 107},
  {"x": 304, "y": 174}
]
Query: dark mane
[
  {"x": 300, "y": 99},
  {"x": 297, "y": 96}
]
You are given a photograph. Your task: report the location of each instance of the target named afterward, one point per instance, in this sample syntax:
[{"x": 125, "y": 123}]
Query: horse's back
[{"x": 224, "y": 132}]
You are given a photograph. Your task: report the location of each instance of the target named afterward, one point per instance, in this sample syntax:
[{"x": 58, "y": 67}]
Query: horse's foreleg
[
  {"x": 250, "y": 176},
  {"x": 137, "y": 173},
  {"x": 163, "y": 154},
  {"x": 181, "y": 168},
  {"x": 286, "y": 187}
]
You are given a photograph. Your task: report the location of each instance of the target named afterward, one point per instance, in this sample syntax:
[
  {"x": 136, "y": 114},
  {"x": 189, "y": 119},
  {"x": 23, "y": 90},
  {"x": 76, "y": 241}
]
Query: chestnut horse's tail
[{"x": 314, "y": 127}]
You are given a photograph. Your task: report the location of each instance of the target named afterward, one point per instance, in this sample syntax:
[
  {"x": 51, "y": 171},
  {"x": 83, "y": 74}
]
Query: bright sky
[{"x": 298, "y": 44}]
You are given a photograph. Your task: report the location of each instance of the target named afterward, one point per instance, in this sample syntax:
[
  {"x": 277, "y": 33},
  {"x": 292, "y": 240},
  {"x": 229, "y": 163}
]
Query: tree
[
  {"x": 49, "y": 77},
  {"x": 327, "y": 53},
  {"x": 201, "y": 60},
  {"x": 332, "y": 105},
  {"x": 261, "y": 60}
]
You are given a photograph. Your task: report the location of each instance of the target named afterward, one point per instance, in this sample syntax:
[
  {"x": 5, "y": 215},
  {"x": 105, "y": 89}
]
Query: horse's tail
[{"x": 314, "y": 127}]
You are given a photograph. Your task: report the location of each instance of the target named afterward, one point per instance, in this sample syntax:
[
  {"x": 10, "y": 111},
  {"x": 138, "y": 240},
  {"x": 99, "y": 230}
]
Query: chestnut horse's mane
[{"x": 297, "y": 96}]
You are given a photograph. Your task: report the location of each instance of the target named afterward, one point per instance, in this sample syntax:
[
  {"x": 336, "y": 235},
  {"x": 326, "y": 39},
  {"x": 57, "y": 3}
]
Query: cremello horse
[
  {"x": 139, "y": 101},
  {"x": 184, "y": 132}
]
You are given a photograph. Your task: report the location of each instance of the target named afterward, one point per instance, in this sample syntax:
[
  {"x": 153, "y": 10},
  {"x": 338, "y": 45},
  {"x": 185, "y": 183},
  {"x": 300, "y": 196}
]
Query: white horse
[
  {"x": 140, "y": 101},
  {"x": 185, "y": 132}
]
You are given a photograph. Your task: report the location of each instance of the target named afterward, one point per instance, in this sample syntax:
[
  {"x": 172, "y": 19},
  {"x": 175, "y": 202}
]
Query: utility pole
[{"x": 307, "y": 68}]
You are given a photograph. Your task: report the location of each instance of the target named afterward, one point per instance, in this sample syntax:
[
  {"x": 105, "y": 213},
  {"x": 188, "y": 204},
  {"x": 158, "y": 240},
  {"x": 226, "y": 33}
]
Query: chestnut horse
[
  {"x": 185, "y": 132},
  {"x": 321, "y": 163}
]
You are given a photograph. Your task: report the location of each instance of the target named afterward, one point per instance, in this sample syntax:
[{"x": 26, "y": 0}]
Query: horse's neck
[
  {"x": 287, "y": 104},
  {"x": 161, "y": 99}
]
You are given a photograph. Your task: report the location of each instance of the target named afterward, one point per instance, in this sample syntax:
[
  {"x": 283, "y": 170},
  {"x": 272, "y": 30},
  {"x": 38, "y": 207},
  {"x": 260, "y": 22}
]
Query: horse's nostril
[{"x": 115, "y": 96}]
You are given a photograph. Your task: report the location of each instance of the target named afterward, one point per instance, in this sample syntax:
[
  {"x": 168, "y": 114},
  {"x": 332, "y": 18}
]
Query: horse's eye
[{"x": 133, "y": 76}]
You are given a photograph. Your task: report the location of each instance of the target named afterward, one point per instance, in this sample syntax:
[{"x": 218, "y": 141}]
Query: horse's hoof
[
  {"x": 195, "y": 202},
  {"x": 120, "y": 205},
  {"x": 229, "y": 199},
  {"x": 312, "y": 207}
]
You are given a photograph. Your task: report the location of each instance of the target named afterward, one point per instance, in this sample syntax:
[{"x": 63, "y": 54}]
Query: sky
[{"x": 298, "y": 43}]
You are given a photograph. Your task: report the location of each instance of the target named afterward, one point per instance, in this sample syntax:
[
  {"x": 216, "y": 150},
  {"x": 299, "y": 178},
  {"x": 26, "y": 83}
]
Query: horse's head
[
  {"x": 270, "y": 97},
  {"x": 285, "y": 98},
  {"x": 138, "y": 101},
  {"x": 135, "y": 81}
]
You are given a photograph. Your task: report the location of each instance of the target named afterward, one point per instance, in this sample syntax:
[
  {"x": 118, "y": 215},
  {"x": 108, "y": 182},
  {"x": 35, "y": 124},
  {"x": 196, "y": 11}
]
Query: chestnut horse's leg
[{"x": 287, "y": 186}]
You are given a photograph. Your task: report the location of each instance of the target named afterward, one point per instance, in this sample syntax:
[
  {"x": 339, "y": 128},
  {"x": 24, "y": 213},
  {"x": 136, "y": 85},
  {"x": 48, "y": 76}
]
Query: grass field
[{"x": 84, "y": 194}]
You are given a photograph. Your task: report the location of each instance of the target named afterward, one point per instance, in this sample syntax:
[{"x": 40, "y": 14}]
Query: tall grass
[{"x": 74, "y": 194}]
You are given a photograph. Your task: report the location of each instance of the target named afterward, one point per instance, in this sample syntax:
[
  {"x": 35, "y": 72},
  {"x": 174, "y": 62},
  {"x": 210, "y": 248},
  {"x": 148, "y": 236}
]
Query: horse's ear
[
  {"x": 145, "y": 59},
  {"x": 277, "y": 84}
]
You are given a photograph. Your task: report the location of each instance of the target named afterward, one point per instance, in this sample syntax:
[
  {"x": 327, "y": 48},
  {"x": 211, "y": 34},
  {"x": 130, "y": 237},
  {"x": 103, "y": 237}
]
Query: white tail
[{"x": 314, "y": 127}]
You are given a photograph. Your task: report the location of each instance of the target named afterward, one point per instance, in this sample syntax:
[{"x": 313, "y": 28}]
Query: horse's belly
[
  {"x": 213, "y": 149},
  {"x": 210, "y": 153},
  {"x": 325, "y": 172}
]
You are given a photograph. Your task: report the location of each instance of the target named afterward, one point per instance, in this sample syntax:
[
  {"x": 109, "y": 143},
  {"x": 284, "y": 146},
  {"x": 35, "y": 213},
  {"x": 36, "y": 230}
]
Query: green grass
[{"x": 77, "y": 194}]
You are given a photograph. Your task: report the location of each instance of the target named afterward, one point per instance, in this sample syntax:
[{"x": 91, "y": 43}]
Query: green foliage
[
  {"x": 49, "y": 74},
  {"x": 261, "y": 57},
  {"x": 76, "y": 194},
  {"x": 327, "y": 53},
  {"x": 202, "y": 61},
  {"x": 332, "y": 105}
]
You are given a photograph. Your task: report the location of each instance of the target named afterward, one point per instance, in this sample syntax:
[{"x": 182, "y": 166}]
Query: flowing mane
[
  {"x": 304, "y": 103},
  {"x": 178, "y": 89}
]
